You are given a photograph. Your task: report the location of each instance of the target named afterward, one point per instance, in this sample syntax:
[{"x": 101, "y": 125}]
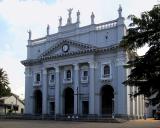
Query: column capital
[
  {"x": 44, "y": 70},
  {"x": 56, "y": 68},
  {"x": 76, "y": 66},
  {"x": 28, "y": 72},
  {"x": 92, "y": 64}
]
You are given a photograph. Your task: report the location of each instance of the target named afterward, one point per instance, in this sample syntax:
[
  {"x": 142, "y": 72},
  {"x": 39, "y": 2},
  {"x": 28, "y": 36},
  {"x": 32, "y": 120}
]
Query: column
[
  {"x": 128, "y": 101},
  {"x": 76, "y": 89},
  {"x": 143, "y": 105},
  {"x": 91, "y": 87},
  {"x": 137, "y": 103},
  {"x": 57, "y": 92},
  {"x": 133, "y": 101},
  {"x": 141, "y": 109},
  {"x": 44, "y": 92}
]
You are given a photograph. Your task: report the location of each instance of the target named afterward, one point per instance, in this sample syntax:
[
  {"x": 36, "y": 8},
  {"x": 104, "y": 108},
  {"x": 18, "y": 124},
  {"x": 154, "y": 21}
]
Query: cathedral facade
[{"x": 80, "y": 71}]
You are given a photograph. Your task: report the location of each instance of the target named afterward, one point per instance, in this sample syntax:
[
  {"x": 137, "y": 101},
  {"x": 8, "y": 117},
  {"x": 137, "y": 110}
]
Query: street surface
[{"x": 149, "y": 123}]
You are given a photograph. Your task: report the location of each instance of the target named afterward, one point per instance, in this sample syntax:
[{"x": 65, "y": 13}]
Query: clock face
[{"x": 65, "y": 48}]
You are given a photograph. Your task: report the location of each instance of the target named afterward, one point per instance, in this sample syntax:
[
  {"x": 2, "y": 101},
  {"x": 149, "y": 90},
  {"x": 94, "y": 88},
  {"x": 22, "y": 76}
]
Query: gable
[{"x": 65, "y": 47}]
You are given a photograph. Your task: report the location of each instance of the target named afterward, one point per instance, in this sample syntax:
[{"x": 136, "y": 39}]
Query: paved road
[{"x": 149, "y": 123}]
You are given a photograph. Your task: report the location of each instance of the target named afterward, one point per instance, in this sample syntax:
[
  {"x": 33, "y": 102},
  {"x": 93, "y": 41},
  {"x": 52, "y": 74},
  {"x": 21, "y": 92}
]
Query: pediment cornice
[
  {"x": 92, "y": 50},
  {"x": 81, "y": 46}
]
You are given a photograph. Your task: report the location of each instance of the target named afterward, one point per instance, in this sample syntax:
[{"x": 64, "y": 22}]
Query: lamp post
[
  {"x": 77, "y": 99},
  {"x": 78, "y": 94}
]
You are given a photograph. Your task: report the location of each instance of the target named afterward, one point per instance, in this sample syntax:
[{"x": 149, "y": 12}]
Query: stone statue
[
  {"x": 78, "y": 16},
  {"x": 92, "y": 18},
  {"x": 30, "y": 34},
  {"x": 120, "y": 11},
  {"x": 69, "y": 20},
  {"x": 48, "y": 27},
  {"x": 60, "y": 21}
]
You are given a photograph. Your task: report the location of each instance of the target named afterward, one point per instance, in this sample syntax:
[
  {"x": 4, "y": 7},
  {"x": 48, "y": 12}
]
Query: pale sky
[{"x": 18, "y": 16}]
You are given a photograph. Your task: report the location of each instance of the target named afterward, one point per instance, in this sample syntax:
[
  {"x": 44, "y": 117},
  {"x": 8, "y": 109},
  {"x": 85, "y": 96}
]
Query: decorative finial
[
  {"x": 78, "y": 17},
  {"x": 69, "y": 20},
  {"x": 48, "y": 28},
  {"x": 120, "y": 11},
  {"x": 60, "y": 21},
  {"x": 92, "y": 18},
  {"x": 30, "y": 34}
]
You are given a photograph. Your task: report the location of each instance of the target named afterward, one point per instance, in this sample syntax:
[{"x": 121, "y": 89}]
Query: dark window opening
[
  {"x": 52, "y": 78},
  {"x": 37, "y": 77}
]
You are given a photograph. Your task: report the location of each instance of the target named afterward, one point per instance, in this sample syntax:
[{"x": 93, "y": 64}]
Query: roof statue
[
  {"x": 78, "y": 16},
  {"x": 48, "y": 28},
  {"x": 92, "y": 18},
  {"x": 120, "y": 11},
  {"x": 60, "y": 21},
  {"x": 30, "y": 34},
  {"x": 69, "y": 20}
]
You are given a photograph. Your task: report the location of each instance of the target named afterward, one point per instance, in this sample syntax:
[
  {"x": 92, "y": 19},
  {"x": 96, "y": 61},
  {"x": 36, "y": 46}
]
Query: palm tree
[{"x": 4, "y": 88}]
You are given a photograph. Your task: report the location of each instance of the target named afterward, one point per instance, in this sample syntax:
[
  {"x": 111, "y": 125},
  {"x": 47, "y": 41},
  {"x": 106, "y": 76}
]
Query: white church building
[{"x": 80, "y": 71}]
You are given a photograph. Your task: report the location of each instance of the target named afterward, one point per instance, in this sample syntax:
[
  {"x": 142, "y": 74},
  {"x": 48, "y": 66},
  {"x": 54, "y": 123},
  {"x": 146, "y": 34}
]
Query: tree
[
  {"x": 4, "y": 88},
  {"x": 145, "y": 70}
]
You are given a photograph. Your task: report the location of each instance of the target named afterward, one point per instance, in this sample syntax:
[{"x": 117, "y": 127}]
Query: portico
[{"x": 71, "y": 81}]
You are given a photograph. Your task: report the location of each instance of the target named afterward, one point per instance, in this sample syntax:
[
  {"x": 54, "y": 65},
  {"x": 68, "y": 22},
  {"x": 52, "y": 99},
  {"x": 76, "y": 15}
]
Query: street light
[{"x": 77, "y": 99}]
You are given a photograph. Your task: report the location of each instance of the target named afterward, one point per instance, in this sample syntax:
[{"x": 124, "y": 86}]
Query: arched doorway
[
  {"x": 68, "y": 101},
  {"x": 38, "y": 102},
  {"x": 107, "y": 97}
]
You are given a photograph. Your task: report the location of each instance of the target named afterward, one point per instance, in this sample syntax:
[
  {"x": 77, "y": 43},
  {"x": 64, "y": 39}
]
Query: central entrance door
[
  {"x": 107, "y": 95},
  {"x": 69, "y": 101}
]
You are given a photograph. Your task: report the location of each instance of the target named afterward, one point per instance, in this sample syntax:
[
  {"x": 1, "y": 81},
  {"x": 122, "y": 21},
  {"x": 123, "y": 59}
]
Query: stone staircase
[{"x": 73, "y": 118}]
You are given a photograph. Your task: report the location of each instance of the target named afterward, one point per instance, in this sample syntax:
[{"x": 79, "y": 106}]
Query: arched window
[
  {"x": 68, "y": 74},
  {"x": 106, "y": 71}
]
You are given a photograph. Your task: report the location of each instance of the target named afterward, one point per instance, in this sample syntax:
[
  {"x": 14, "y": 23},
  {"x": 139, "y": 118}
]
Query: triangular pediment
[{"x": 64, "y": 47}]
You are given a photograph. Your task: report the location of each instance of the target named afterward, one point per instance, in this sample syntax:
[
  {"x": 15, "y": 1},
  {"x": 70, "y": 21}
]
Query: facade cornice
[{"x": 94, "y": 51}]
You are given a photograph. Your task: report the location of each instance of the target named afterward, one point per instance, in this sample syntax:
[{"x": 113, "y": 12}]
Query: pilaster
[
  {"x": 44, "y": 92},
  {"x": 57, "y": 92},
  {"x": 91, "y": 88},
  {"x": 76, "y": 89},
  {"x": 28, "y": 94},
  {"x": 137, "y": 98}
]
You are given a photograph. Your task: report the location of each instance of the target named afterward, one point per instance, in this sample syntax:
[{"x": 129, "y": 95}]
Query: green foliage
[
  {"x": 145, "y": 70},
  {"x": 4, "y": 89}
]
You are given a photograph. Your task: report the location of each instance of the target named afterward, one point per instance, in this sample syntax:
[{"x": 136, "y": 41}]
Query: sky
[{"x": 18, "y": 16}]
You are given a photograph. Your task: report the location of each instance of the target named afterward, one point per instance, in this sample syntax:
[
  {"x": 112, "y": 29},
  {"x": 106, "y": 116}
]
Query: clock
[{"x": 65, "y": 48}]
